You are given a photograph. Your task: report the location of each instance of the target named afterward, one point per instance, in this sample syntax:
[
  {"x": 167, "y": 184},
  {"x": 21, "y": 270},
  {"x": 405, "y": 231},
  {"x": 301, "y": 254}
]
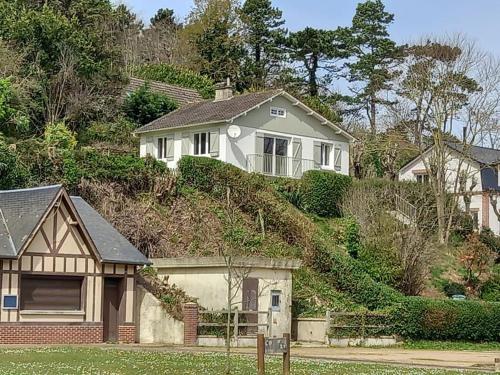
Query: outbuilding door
[
  {"x": 111, "y": 307},
  {"x": 251, "y": 301}
]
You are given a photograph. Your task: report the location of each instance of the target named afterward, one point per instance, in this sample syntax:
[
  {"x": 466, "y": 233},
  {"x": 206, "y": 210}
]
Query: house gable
[{"x": 297, "y": 121}]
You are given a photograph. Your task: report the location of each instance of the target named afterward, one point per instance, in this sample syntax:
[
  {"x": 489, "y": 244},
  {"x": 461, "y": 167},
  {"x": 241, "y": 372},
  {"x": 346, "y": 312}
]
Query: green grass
[
  {"x": 112, "y": 361},
  {"x": 452, "y": 345}
]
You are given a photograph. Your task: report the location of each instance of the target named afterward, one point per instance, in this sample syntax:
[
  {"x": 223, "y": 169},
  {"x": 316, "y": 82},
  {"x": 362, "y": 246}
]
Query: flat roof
[{"x": 216, "y": 262}]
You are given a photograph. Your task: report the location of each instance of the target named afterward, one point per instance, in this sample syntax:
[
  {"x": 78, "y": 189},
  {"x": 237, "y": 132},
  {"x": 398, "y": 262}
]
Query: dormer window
[{"x": 278, "y": 112}]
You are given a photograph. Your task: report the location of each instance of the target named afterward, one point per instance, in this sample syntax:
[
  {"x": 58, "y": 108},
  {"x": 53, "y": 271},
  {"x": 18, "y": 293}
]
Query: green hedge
[
  {"x": 427, "y": 319},
  {"x": 322, "y": 192}
]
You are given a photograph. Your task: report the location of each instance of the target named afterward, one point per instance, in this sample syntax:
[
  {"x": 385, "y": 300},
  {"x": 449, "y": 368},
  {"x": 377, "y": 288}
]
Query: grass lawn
[
  {"x": 453, "y": 345},
  {"x": 99, "y": 361}
]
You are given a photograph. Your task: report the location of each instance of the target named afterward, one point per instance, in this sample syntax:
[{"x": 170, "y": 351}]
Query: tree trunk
[
  {"x": 313, "y": 79},
  {"x": 373, "y": 115}
]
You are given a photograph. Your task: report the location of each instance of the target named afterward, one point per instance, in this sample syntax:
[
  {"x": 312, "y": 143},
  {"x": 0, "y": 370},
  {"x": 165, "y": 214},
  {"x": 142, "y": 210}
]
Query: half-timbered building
[{"x": 67, "y": 276}]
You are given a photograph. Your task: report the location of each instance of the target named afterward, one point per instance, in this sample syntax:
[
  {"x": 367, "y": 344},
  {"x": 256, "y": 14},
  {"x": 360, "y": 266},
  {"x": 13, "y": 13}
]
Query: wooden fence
[{"x": 354, "y": 324}]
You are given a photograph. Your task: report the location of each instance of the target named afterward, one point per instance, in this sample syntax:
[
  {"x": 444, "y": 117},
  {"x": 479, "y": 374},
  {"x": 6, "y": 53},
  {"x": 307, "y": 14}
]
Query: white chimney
[{"x": 223, "y": 90}]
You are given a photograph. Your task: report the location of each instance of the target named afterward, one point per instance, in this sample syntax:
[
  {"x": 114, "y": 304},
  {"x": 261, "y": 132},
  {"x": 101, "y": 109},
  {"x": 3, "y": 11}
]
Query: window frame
[
  {"x": 276, "y": 293},
  {"x": 278, "y": 112},
  {"x": 207, "y": 143},
  {"x": 326, "y": 155}
]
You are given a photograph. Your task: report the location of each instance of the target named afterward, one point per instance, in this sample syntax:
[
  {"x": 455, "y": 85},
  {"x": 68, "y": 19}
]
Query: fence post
[
  {"x": 363, "y": 323},
  {"x": 261, "y": 342},
  {"x": 190, "y": 312},
  {"x": 327, "y": 327},
  {"x": 270, "y": 322},
  {"x": 236, "y": 328},
  {"x": 286, "y": 355}
]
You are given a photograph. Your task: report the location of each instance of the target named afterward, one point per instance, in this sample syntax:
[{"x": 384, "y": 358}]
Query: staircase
[{"x": 405, "y": 212}]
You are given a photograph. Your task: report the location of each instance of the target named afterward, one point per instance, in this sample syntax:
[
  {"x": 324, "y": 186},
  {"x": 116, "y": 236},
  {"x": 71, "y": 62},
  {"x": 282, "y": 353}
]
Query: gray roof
[
  {"x": 483, "y": 155},
  {"x": 113, "y": 247},
  {"x": 22, "y": 210},
  {"x": 179, "y": 94},
  {"x": 210, "y": 111}
]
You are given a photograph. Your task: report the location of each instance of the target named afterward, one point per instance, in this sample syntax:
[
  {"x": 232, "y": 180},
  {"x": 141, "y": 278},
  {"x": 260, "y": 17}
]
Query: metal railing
[
  {"x": 239, "y": 320},
  {"x": 279, "y": 166},
  {"x": 406, "y": 209}
]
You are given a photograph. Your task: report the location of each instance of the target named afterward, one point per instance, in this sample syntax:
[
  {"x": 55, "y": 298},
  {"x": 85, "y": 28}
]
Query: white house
[
  {"x": 479, "y": 165},
  {"x": 267, "y": 132}
]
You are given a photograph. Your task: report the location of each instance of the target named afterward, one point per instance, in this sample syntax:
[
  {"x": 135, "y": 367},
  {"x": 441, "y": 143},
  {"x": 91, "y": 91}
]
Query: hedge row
[{"x": 428, "y": 319}]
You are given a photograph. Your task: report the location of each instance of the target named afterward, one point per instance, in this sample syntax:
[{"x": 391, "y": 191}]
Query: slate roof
[
  {"x": 179, "y": 94},
  {"x": 483, "y": 155},
  {"x": 21, "y": 211},
  {"x": 209, "y": 111}
]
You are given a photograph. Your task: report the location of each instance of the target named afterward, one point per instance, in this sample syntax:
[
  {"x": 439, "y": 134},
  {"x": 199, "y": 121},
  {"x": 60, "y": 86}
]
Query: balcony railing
[{"x": 279, "y": 166}]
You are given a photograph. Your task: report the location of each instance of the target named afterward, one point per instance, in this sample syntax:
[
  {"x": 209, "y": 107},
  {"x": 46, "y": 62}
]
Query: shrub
[
  {"x": 490, "y": 291},
  {"x": 144, "y": 106},
  {"x": 488, "y": 238},
  {"x": 452, "y": 288},
  {"x": 426, "y": 319},
  {"x": 177, "y": 76},
  {"x": 288, "y": 188},
  {"x": 117, "y": 132},
  {"x": 352, "y": 237},
  {"x": 12, "y": 173},
  {"x": 58, "y": 136},
  {"x": 322, "y": 192}
]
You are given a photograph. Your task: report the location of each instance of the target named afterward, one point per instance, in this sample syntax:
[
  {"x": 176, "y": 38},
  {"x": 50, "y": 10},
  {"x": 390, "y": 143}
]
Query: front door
[
  {"x": 251, "y": 301},
  {"x": 111, "y": 307}
]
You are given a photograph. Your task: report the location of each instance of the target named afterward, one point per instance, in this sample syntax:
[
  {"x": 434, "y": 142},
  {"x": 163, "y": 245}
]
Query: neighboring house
[
  {"x": 180, "y": 95},
  {"x": 479, "y": 165},
  {"x": 267, "y": 132},
  {"x": 261, "y": 284},
  {"x": 67, "y": 275}
]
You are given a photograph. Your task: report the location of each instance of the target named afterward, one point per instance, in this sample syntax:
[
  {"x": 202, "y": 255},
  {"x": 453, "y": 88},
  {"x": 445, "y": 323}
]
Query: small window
[
  {"x": 422, "y": 178},
  {"x": 325, "y": 154},
  {"x": 278, "y": 112},
  {"x": 276, "y": 300},
  {"x": 9, "y": 302},
  {"x": 475, "y": 218},
  {"x": 202, "y": 143}
]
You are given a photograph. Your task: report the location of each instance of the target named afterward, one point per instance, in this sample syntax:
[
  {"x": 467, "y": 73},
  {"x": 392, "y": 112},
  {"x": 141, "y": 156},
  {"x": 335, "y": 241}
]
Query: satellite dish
[{"x": 234, "y": 131}]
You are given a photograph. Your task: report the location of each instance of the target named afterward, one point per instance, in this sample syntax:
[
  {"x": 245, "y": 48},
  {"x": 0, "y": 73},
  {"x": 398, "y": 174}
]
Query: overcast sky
[{"x": 478, "y": 19}]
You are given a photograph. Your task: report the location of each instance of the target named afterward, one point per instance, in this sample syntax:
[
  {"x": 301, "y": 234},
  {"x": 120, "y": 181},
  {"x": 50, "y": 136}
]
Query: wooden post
[
  {"x": 497, "y": 365},
  {"x": 286, "y": 355},
  {"x": 261, "y": 347},
  {"x": 236, "y": 321}
]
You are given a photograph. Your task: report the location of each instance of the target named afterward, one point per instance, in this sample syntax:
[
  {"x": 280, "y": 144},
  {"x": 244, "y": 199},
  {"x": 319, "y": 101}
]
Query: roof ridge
[
  {"x": 32, "y": 189},
  {"x": 11, "y": 242},
  {"x": 483, "y": 147},
  {"x": 166, "y": 84}
]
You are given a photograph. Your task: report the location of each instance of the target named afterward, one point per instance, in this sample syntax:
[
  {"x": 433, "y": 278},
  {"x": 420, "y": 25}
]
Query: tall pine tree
[
  {"x": 263, "y": 37},
  {"x": 374, "y": 55}
]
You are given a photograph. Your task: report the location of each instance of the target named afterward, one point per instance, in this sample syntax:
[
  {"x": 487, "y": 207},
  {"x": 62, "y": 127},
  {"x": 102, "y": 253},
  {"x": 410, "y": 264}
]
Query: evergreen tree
[
  {"x": 374, "y": 55},
  {"x": 263, "y": 37},
  {"x": 163, "y": 17},
  {"x": 317, "y": 51}
]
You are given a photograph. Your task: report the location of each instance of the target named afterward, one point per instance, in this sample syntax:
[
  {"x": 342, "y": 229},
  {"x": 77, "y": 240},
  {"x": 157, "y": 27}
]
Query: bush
[
  {"x": 488, "y": 238},
  {"x": 58, "y": 136},
  {"x": 451, "y": 289},
  {"x": 352, "y": 237},
  {"x": 12, "y": 173},
  {"x": 426, "y": 319},
  {"x": 177, "y": 76},
  {"x": 144, "y": 106},
  {"x": 288, "y": 188},
  {"x": 117, "y": 132},
  {"x": 490, "y": 291},
  {"x": 322, "y": 192}
]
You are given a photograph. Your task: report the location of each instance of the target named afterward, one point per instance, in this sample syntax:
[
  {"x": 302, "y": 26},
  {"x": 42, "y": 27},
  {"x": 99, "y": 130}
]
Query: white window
[
  {"x": 278, "y": 112},
  {"x": 422, "y": 178},
  {"x": 202, "y": 143},
  {"x": 162, "y": 148},
  {"x": 275, "y": 300},
  {"x": 325, "y": 154}
]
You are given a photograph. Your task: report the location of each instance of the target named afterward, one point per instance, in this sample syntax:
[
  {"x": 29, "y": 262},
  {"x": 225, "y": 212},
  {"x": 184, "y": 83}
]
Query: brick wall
[
  {"x": 126, "y": 334},
  {"x": 50, "y": 334},
  {"x": 190, "y": 311}
]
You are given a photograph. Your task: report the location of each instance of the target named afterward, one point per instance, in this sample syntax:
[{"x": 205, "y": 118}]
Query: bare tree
[{"x": 451, "y": 89}]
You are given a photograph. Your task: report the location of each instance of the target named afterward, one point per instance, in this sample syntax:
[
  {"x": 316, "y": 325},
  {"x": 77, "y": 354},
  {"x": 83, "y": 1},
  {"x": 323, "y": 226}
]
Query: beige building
[
  {"x": 67, "y": 276},
  {"x": 261, "y": 285}
]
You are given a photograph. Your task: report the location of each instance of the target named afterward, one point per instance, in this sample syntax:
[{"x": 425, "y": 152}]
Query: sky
[{"x": 414, "y": 19}]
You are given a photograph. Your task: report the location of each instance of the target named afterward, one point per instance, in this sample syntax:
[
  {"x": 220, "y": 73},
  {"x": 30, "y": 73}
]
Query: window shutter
[
  {"x": 214, "y": 143},
  {"x": 149, "y": 146},
  {"x": 338, "y": 158},
  {"x": 160, "y": 148},
  {"x": 317, "y": 153},
  {"x": 186, "y": 143},
  {"x": 257, "y": 161},
  {"x": 297, "y": 157},
  {"x": 169, "y": 148}
]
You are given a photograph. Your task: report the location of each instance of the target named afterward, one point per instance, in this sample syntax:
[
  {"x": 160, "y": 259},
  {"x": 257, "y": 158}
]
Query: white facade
[
  {"x": 277, "y": 138},
  {"x": 480, "y": 206}
]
